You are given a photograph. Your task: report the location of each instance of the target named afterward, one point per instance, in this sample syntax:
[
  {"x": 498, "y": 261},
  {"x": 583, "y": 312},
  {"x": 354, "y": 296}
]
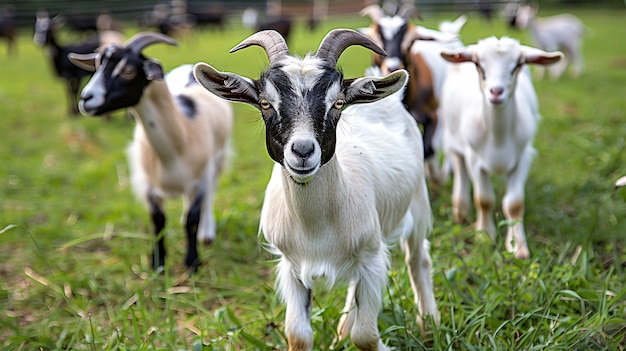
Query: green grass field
[{"x": 75, "y": 249}]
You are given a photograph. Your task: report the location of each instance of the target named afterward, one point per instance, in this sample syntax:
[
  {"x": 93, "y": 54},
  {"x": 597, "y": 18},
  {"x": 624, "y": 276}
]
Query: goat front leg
[
  {"x": 208, "y": 226},
  {"x": 158, "y": 221},
  {"x": 297, "y": 299},
  {"x": 484, "y": 199},
  {"x": 191, "y": 227},
  {"x": 513, "y": 207},
  {"x": 460, "y": 189},
  {"x": 371, "y": 279}
]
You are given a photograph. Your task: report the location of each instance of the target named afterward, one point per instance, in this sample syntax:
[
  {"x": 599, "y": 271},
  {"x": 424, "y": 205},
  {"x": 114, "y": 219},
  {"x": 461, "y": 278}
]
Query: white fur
[
  {"x": 340, "y": 224},
  {"x": 489, "y": 134}
]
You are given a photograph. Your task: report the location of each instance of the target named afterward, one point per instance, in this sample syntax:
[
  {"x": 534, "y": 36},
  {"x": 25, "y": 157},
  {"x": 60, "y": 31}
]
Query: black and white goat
[
  {"x": 45, "y": 28},
  {"x": 348, "y": 181},
  {"x": 181, "y": 139}
]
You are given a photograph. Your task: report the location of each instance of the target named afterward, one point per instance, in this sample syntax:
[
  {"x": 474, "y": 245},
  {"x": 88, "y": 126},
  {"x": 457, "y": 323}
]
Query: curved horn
[
  {"x": 140, "y": 40},
  {"x": 270, "y": 40},
  {"x": 337, "y": 40},
  {"x": 375, "y": 12}
]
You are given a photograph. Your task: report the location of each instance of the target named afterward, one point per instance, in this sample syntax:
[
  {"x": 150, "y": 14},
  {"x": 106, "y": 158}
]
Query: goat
[
  {"x": 398, "y": 36},
  {"x": 181, "y": 142},
  {"x": 562, "y": 32},
  {"x": 347, "y": 181},
  {"x": 490, "y": 114},
  {"x": 73, "y": 75},
  {"x": 8, "y": 27}
]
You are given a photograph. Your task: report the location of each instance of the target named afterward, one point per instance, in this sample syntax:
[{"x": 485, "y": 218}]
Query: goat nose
[
  {"x": 497, "y": 91},
  {"x": 303, "y": 148},
  {"x": 86, "y": 97}
]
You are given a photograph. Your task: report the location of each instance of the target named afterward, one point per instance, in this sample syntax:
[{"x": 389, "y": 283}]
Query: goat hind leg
[
  {"x": 73, "y": 85},
  {"x": 158, "y": 220},
  {"x": 191, "y": 227},
  {"x": 347, "y": 318}
]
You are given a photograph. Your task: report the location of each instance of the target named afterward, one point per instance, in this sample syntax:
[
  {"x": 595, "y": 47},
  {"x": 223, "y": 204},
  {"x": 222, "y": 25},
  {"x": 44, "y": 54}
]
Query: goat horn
[
  {"x": 270, "y": 40},
  {"x": 375, "y": 12},
  {"x": 337, "y": 40},
  {"x": 140, "y": 40}
]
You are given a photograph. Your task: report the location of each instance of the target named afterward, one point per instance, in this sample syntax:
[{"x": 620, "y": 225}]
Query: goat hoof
[
  {"x": 522, "y": 254},
  {"x": 207, "y": 241},
  {"x": 193, "y": 266}
]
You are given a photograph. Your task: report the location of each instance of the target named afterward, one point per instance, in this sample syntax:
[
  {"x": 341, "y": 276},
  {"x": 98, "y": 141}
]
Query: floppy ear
[
  {"x": 370, "y": 89},
  {"x": 84, "y": 61},
  {"x": 460, "y": 55},
  {"x": 539, "y": 57},
  {"x": 153, "y": 70},
  {"x": 229, "y": 86}
]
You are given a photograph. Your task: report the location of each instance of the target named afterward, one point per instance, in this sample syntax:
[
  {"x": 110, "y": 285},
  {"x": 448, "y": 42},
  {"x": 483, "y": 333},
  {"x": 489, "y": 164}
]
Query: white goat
[
  {"x": 490, "y": 114},
  {"x": 561, "y": 32},
  {"x": 181, "y": 141},
  {"x": 348, "y": 181}
]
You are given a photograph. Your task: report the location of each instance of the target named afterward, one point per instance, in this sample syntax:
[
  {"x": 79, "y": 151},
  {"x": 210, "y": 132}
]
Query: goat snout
[
  {"x": 496, "y": 95},
  {"x": 303, "y": 148},
  {"x": 302, "y": 159},
  {"x": 86, "y": 96}
]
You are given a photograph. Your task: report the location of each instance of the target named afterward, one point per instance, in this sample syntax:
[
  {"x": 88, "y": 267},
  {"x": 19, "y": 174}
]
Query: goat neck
[
  {"x": 500, "y": 119},
  {"x": 316, "y": 200},
  {"x": 158, "y": 114}
]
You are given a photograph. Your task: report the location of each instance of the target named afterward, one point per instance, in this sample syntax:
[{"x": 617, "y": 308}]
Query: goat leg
[
  {"x": 158, "y": 220},
  {"x": 193, "y": 220}
]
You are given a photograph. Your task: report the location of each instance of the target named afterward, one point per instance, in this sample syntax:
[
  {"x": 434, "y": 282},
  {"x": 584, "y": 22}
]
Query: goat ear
[
  {"x": 84, "y": 61},
  {"x": 458, "y": 56},
  {"x": 229, "y": 86},
  {"x": 153, "y": 70},
  {"x": 370, "y": 89},
  {"x": 539, "y": 57}
]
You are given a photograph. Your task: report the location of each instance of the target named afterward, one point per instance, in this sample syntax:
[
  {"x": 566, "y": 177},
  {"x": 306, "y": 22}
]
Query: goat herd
[{"x": 351, "y": 162}]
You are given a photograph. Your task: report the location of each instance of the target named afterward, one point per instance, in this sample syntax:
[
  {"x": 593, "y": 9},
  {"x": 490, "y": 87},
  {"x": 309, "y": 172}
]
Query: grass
[{"x": 74, "y": 251}]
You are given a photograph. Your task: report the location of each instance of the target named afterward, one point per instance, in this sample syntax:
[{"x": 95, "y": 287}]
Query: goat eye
[
  {"x": 339, "y": 104},
  {"x": 265, "y": 104},
  {"x": 129, "y": 72}
]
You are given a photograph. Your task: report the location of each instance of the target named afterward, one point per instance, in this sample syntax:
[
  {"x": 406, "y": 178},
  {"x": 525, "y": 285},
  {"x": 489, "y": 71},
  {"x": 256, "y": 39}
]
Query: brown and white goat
[
  {"x": 348, "y": 181},
  {"x": 180, "y": 143},
  {"x": 397, "y": 35}
]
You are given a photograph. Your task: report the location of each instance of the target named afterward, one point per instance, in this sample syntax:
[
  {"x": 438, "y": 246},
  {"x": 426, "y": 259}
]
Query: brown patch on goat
[
  {"x": 515, "y": 210},
  {"x": 297, "y": 344}
]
